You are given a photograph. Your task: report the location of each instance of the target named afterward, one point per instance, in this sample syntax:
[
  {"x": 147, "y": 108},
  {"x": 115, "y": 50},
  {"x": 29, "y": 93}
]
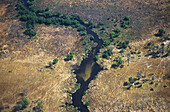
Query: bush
[
  {"x": 96, "y": 57},
  {"x": 161, "y": 32},
  {"x": 127, "y": 18},
  {"x": 55, "y": 61},
  {"x": 106, "y": 43},
  {"x": 81, "y": 28},
  {"x": 29, "y": 32},
  {"x": 70, "y": 56},
  {"x": 48, "y": 21},
  {"x": 106, "y": 54},
  {"x": 47, "y": 9},
  {"x": 92, "y": 38},
  {"x": 119, "y": 61},
  {"x": 83, "y": 33},
  {"x": 41, "y": 20},
  {"x": 26, "y": 101},
  {"x": 117, "y": 30},
  {"x": 100, "y": 24},
  {"x": 103, "y": 28},
  {"x": 87, "y": 104},
  {"x": 131, "y": 79},
  {"x": 91, "y": 24}
]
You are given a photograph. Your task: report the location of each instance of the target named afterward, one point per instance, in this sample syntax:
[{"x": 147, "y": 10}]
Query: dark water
[
  {"x": 87, "y": 69},
  {"x": 86, "y": 72}
]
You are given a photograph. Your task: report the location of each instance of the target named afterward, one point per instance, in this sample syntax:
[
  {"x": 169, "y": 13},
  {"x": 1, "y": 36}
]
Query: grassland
[{"x": 23, "y": 60}]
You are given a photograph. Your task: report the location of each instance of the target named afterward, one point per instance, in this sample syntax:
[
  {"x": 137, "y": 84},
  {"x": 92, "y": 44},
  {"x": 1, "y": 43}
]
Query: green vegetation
[
  {"x": 91, "y": 24},
  {"x": 87, "y": 104},
  {"x": 24, "y": 102},
  {"x": 106, "y": 54},
  {"x": 161, "y": 32},
  {"x": 55, "y": 61},
  {"x": 119, "y": 61},
  {"x": 33, "y": 16},
  {"x": 70, "y": 56},
  {"x": 131, "y": 80},
  {"x": 123, "y": 45},
  {"x": 96, "y": 57},
  {"x": 106, "y": 43}
]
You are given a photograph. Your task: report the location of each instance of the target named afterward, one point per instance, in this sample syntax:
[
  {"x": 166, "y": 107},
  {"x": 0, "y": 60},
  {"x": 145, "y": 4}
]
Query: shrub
[
  {"x": 83, "y": 33},
  {"x": 117, "y": 30},
  {"x": 26, "y": 101},
  {"x": 106, "y": 54},
  {"x": 70, "y": 56},
  {"x": 50, "y": 63},
  {"x": 48, "y": 21},
  {"x": 90, "y": 23},
  {"x": 161, "y": 32},
  {"x": 103, "y": 28},
  {"x": 91, "y": 37},
  {"x": 47, "y": 9},
  {"x": 41, "y": 20},
  {"x": 96, "y": 57},
  {"x": 29, "y": 32},
  {"x": 126, "y": 18},
  {"x": 107, "y": 42},
  {"x": 87, "y": 104},
  {"x": 131, "y": 79},
  {"x": 40, "y": 104},
  {"x": 119, "y": 61},
  {"x": 55, "y": 61},
  {"x": 100, "y": 24},
  {"x": 81, "y": 28}
]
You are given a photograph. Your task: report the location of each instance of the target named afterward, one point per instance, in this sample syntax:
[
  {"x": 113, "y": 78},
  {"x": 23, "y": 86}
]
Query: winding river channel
[{"x": 87, "y": 71}]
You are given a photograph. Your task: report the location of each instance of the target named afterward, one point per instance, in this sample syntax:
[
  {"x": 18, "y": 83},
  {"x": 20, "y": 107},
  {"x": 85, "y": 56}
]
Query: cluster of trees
[
  {"x": 69, "y": 56},
  {"x": 32, "y": 16},
  {"x": 24, "y": 102},
  {"x": 123, "y": 44},
  {"x": 119, "y": 61},
  {"x": 38, "y": 107},
  {"x": 161, "y": 32},
  {"x": 28, "y": 16},
  {"x": 125, "y": 22},
  {"x": 115, "y": 33},
  {"x": 106, "y": 54},
  {"x": 91, "y": 24},
  {"x": 106, "y": 43},
  {"x": 51, "y": 64}
]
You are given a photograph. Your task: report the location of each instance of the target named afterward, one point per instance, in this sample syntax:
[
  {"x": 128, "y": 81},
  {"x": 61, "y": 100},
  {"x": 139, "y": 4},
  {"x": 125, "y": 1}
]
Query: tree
[
  {"x": 107, "y": 42},
  {"x": 41, "y": 20},
  {"x": 55, "y": 61},
  {"x": 117, "y": 30},
  {"x": 119, "y": 61},
  {"x": 103, "y": 28},
  {"x": 47, "y": 9},
  {"x": 23, "y": 18},
  {"x": 29, "y": 32},
  {"x": 70, "y": 56},
  {"x": 131, "y": 79},
  {"x": 161, "y": 32},
  {"x": 106, "y": 54},
  {"x": 26, "y": 101},
  {"x": 100, "y": 24},
  {"x": 81, "y": 28},
  {"x": 96, "y": 57},
  {"x": 48, "y": 21},
  {"x": 126, "y": 18},
  {"x": 50, "y": 63}
]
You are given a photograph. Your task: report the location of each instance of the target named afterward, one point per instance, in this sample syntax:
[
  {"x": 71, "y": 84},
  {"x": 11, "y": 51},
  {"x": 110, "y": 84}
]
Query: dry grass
[{"x": 108, "y": 93}]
